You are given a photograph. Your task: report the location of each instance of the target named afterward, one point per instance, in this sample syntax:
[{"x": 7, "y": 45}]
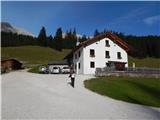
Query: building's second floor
[{"x": 102, "y": 50}]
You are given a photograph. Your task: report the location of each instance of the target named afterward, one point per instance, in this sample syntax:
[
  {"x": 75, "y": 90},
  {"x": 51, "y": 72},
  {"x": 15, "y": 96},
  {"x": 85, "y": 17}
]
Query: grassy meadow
[
  {"x": 139, "y": 90},
  {"x": 31, "y": 55},
  {"x": 41, "y": 55},
  {"x": 145, "y": 62}
]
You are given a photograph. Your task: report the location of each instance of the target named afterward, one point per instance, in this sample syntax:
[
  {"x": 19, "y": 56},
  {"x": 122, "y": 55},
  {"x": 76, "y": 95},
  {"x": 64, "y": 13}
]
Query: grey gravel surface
[{"x": 41, "y": 96}]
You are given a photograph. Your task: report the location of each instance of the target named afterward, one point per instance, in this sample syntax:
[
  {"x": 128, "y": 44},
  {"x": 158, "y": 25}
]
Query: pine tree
[
  {"x": 58, "y": 39},
  {"x": 49, "y": 41},
  {"x": 42, "y": 38},
  {"x": 75, "y": 34},
  {"x": 96, "y": 33}
]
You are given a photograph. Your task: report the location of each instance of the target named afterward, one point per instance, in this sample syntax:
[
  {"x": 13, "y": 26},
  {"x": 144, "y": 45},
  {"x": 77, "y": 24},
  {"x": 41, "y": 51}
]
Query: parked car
[
  {"x": 65, "y": 70},
  {"x": 56, "y": 70},
  {"x": 43, "y": 69}
]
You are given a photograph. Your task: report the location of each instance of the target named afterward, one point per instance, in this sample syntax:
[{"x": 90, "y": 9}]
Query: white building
[{"x": 103, "y": 50}]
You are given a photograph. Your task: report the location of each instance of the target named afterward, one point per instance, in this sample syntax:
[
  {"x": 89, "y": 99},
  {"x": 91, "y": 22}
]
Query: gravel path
[{"x": 35, "y": 96}]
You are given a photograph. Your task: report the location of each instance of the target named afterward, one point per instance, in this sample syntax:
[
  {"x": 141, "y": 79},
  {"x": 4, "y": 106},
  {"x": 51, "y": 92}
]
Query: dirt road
[{"x": 36, "y": 96}]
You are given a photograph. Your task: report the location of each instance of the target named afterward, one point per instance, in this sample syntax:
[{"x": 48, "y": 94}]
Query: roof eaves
[{"x": 109, "y": 35}]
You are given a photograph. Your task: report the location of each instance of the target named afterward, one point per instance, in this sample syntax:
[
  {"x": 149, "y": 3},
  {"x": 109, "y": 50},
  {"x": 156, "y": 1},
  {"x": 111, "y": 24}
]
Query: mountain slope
[
  {"x": 33, "y": 54},
  {"x": 41, "y": 55},
  {"x": 6, "y": 27}
]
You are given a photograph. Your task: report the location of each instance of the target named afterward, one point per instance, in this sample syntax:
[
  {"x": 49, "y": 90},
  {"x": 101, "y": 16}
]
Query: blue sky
[{"x": 136, "y": 18}]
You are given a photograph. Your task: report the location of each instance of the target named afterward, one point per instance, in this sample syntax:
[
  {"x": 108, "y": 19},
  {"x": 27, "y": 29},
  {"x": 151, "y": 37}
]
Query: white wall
[
  {"x": 79, "y": 60},
  {"x": 99, "y": 59}
]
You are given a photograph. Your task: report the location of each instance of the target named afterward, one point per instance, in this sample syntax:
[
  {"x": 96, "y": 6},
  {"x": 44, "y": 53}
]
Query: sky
[{"x": 130, "y": 18}]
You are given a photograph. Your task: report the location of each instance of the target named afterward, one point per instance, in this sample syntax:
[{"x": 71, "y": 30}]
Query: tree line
[
  {"x": 58, "y": 42},
  {"x": 143, "y": 46},
  {"x": 9, "y": 39}
]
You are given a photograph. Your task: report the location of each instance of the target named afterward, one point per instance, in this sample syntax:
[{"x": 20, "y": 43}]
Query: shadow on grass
[
  {"x": 129, "y": 91},
  {"x": 152, "y": 91}
]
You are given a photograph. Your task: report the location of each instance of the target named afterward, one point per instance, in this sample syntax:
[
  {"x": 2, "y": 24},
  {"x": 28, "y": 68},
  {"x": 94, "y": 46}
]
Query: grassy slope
[
  {"x": 144, "y": 91},
  {"x": 41, "y": 55},
  {"x": 33, "y": 54},
  {"x": 146, "y": 62}
]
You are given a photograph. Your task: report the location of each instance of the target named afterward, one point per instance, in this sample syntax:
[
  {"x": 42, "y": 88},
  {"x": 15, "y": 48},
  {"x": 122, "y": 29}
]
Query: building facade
[{"x": 105, "y": 50}]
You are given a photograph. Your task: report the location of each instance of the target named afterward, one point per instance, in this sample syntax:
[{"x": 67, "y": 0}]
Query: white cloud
[{"x": 152, "y": 20}]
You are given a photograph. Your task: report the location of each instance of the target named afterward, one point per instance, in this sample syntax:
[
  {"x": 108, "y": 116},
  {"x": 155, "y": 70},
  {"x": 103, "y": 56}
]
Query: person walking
[
  {"x": 72, "y": 76},
  {"x": 72, "y": 79}
]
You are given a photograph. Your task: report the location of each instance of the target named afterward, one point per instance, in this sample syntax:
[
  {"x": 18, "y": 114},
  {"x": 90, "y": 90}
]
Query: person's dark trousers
[{"x": 72, "y": 82}]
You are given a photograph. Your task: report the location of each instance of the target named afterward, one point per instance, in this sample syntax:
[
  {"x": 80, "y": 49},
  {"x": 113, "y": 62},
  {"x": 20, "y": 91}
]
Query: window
[
  {"x": 107, "y": 54},
  {"x": 107, "y": 43},
  {"x": 92, "y": 54},
  {"x": 92, "y": 65},
  {"x": 79, "y": 65},
  {"x": 75, "y": 56},
  {"x": 119, "y": 55},
  {"x": 79, "y": 53}
]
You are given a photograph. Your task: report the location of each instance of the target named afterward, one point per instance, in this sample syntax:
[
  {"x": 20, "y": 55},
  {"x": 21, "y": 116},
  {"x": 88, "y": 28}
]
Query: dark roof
[
  {"x": 57, "y": 63},
  {"x": 11, "y": 60},
  {"x": 109, "y": 35}
]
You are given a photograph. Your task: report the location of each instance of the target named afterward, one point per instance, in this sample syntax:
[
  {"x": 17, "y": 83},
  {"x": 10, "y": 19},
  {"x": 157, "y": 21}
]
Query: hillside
[
  {"x": 145, "y": 62},
  {"x": 41, "y": 55},
  {"x": 7, "y": 27},
  {"x": 31, "y": 55}
]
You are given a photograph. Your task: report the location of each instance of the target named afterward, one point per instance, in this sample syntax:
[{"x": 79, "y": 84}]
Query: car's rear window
[
  {"x": 55, "y": 67},
  {"x": 65, "y": 67}
]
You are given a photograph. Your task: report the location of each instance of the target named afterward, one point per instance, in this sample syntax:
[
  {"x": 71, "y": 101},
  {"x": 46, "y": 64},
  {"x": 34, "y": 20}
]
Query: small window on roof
[{"x": 107, "y": 43}]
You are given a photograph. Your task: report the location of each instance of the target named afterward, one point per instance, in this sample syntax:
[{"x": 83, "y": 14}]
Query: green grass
[
  {"x": 34, "y": 69},
  {"x": 145, "y": 62},
  {"x": 139, "y": 90},
  {"x": 41, "y": 55},
  {"x": 33, "y": 55}
]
